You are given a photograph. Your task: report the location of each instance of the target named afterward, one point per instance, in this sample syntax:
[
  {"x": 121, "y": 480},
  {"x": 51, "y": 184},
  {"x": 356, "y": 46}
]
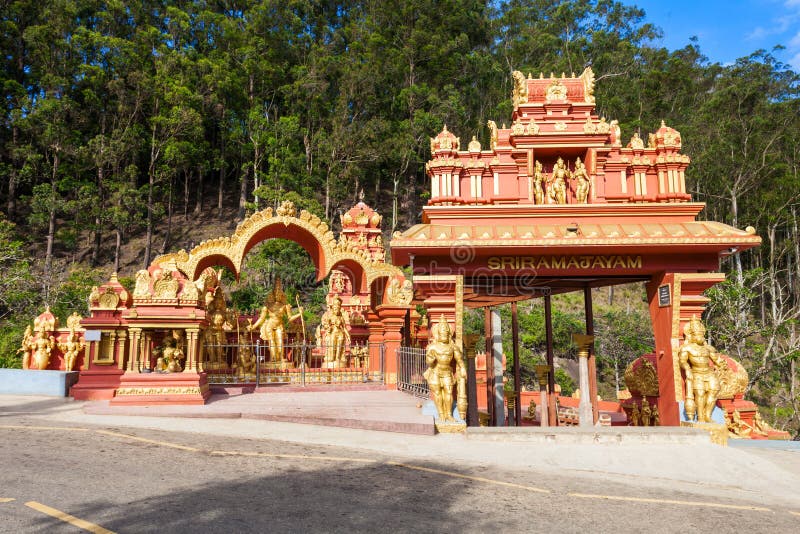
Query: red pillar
[
  {"x": 393, "y": 319},
  {"x": 674, "y": 298}
]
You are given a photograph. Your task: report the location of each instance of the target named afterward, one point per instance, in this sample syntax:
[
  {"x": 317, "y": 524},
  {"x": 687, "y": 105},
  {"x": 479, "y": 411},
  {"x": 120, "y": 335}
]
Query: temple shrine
[{"x": 557, "y": 202}]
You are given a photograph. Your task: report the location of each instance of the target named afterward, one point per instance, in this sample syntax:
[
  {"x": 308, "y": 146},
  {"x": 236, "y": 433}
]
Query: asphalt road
[{"x": 146, "y": 480}]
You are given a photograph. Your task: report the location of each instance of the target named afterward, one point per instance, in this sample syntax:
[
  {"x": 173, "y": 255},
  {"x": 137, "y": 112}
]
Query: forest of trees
[{"x": 126, "y": 123}]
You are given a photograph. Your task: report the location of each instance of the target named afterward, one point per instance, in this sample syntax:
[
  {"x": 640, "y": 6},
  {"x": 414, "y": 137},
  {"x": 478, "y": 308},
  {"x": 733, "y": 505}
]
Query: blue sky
[{"x": 728, "y": 30}]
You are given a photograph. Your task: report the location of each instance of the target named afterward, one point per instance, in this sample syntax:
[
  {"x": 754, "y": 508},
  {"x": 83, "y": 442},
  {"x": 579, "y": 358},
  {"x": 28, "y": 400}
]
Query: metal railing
[
  {"x": 300, "y": 364},
  {"x": 411, "y": 365}
]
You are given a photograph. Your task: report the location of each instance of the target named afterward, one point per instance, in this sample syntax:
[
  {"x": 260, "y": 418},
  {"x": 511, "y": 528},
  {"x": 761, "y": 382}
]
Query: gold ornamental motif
[
  {"x": 519, "y": 94},
  {"x": 556, "y": 91},
  {"x": 732, "y": 383},
  {"x": 108, "y": 300},
  {"x": 149, "y": 391},
  {"x": 142, "y": 288},
  {"x": 398, "y": 294},
  {"x": 236, "y": 246},
  {"x": 642, "y": 378},
  {"x": 587, "y": 78},
  {"x": 166, "y": 287}
]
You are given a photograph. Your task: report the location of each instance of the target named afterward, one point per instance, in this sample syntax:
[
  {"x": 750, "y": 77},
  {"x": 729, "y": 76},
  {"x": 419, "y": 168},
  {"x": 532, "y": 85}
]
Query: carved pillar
[
  {"x": 674, "y": 298},
  {"x": 375, "y": 341},
  {"x": 133, "y": 350},
  {"x": 472, "y": 386},
  {"x": 193, "y": 365},
  {"x": 497, "y": 363},
  {"x": 584, "y": 343},
  {"x": 118, "y": 351},
  {"x": 543, "y": 374},
  {"x": 393, "y": 319}
]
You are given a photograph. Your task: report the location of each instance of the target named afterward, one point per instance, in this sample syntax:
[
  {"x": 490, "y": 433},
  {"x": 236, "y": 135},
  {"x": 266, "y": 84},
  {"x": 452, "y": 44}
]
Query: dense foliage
[{"x": 120, "y": 118}]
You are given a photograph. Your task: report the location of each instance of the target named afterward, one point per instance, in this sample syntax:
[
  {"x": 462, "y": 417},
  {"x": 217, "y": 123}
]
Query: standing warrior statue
[
  {"x": 582, "y": 178},
  {"x": 557, "y": 187},
  {"x": 439, "y": 356},
  {"x": 336, "y": 334},
  {"x": 702, "y": 383},
  {"x": 271, "y": 321}
]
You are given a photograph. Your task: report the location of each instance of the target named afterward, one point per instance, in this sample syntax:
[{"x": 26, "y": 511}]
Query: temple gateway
[{"x": 556, "y": 202}]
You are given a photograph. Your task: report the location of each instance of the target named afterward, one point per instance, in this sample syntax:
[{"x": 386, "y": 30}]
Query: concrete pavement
[{"x": 760, "y": 476}]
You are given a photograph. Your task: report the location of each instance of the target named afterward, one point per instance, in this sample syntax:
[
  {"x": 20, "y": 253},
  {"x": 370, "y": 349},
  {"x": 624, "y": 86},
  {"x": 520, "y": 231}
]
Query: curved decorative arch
[{"x": 308, "y": 230}]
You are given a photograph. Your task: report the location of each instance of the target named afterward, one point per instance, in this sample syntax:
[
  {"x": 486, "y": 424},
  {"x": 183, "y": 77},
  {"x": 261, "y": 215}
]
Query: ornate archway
[{"x": 305, "y": 229}]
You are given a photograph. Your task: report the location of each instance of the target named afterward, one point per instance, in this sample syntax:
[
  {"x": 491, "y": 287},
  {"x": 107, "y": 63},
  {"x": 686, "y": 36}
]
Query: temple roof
[{"x": 496, "y": 237}]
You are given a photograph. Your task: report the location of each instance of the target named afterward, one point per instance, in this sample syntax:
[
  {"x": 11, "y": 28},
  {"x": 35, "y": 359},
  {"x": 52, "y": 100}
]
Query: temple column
[
  {"x": 393, "y": 319},
  {"x": 543, "y": 375},
  {"x": 472, "y": 387},
  {"x": 591, "y": 362},
  {"x": 673, "y": 299},
  {"x": 374, "y": 341},
  {"x": 133, "y": 352},
  {"x": 193, "y": 365},
  {"x": 551, "y": 382},
  {"x": 515, "y": 351},
  {"x": 497, "y": 363},
  {"x": 584, "y": 342}
]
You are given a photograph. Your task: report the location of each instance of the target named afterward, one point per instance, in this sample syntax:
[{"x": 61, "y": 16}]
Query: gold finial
[
  {"x": 663, "y": 124},
  {"x": 361, "y": 195}
]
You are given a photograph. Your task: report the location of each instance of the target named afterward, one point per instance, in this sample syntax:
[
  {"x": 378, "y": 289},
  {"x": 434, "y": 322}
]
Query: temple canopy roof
[{"x": 561, "y": 180}]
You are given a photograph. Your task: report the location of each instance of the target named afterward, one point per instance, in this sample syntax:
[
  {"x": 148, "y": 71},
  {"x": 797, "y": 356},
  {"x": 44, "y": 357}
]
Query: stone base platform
[
  {"x": 36, "y": 382},
  {"x": 139, "y": 389},
  {"x": 96, "y": 384},
  {"x": 599, "y": 435}
]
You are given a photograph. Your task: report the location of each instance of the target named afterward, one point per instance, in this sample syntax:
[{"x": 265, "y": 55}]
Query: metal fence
[
  {"x": 411, "y": 365},
  {"x": 299, "y": 364}
]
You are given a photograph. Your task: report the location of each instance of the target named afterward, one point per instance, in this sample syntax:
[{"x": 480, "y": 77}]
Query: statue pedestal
[
  {"x": 138, "y": 389},
  {"x": 717, "y": 432},
  {"x": 444, "y": 427}
]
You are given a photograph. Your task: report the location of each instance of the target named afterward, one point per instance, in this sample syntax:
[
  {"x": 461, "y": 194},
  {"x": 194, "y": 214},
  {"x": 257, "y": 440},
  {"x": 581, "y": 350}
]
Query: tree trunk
[
  {"x": 51, "y": 229},
  {"x": 98, "y": 221},
  {"x": 168, "y": 233},
  {"x": 242, "y": 197},
  {"x": 186, "y": 194},
  {"x": 221, "y": 188},
  {"x": 148, "y": 247},
  {"x": 117, "y": 248},
  {"x": 198, "y": 206},
  {"x": 11, "y": 204}
]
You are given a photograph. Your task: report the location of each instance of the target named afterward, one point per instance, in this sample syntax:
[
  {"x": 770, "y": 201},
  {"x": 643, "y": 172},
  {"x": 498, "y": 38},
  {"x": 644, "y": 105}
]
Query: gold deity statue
[
  {"x": 71, "y": 348},
  {"x": 172, "y": 354},
  {"x": 25, "y": 348},
  {"x": 702, "y": 383},
  {"x": 582, "y": 178},
  {"x": 214, "y": 336},
  {"x": 440, "y": 356},
  {"x": 39, "y": 349},
  {"x": 271, "y": 321},
  {"x": 538, "y": 180},
  {"x": 557, "y": 187},
  {"x": 336, "y": 334}
]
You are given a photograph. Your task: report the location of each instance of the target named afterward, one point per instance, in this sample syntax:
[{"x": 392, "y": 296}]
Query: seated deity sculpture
[
  {"x": 440, "y": 355},
  {"x": 702, "y": 383},
  {"x": 271, "y": 321},
  {"x": 172, "y": 355}
]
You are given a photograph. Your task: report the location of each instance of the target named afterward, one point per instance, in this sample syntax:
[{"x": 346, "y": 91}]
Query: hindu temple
[{"x": 558, "y": 201}]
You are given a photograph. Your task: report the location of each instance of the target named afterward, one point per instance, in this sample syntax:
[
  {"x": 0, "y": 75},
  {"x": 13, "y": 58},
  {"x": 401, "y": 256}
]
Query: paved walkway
[
  {"x": 388, "y": 411},
  {"x": 757, "y": 475}
]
